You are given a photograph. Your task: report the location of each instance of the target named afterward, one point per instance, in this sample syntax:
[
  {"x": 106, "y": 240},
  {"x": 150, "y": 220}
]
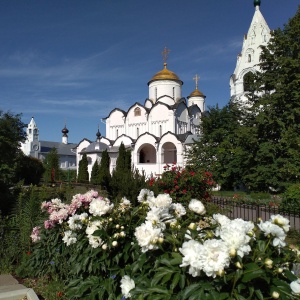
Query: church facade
[{"x": 160, "y": 130}]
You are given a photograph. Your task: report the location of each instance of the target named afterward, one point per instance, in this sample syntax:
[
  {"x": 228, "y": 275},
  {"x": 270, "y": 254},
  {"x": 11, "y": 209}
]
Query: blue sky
[{"x": 73, "y": 61}]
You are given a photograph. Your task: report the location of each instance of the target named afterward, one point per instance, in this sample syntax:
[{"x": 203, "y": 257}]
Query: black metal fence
[{"x": 252, "y": 212}]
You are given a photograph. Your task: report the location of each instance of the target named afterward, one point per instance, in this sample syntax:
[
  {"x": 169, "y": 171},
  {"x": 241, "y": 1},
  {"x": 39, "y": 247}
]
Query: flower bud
[
  {"x": 117, "y": 226},
  {"x": 210, "y": 234},
  {"x": 160, "y": 240},
  {"x": 104, "y": 247},
  {"x": 221, "y": 273},
  {"x": 192, "y": 226},
  {"x": 269, "y": 263},
  {"x": 122, "y": 234},
  {"x": 279, "y": 270},
  {"x": 178, "y": 226},
  {"x": 232, "y": 252},
  {"x": 238, "y": 265},
  {"x": 275, "y": 295},
  {"x": 114, "y": 243},
  {"x": 110, "y": 219}
]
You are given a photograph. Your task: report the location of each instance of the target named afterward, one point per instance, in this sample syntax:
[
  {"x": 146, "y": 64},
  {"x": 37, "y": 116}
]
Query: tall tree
[
  {"x": 121, "y": 176},
  {"x": 276, "y": 110},
  {"x": 104, "y": 171},
  {"x": 83, "y": 174},
  {"x": 51, "y": 165},
  {"x": 95, "y": 173},
  {"x": 216, "y": 150},
  {"x": 11, "y": 134}
]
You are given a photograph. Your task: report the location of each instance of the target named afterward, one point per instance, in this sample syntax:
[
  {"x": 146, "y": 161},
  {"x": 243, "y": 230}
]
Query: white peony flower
[
  {"x": 145, "y": 195},
  {"x": 127, "y": 284},
  {"x": 191, "y": 252},
  {"x": 270, "y": 228},
  {"x": 95, "y": 241},
  {"x": 179, "y": 209},
  {"x": 295, "y": 286},
  {"x": 197, "y": 207},
  {"x": 147, "y": 236},
  {"x": 99, "y": 207},
  {"x": 69, "y": 238},
  {"x": 281, "y": 221},
  {"x": 214, "y": 257},
  {"x": 161, "y": 201},
  {"x": 220, "y": 219}
]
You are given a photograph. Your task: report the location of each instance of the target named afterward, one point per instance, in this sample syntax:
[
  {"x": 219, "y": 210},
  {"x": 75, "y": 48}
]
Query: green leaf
[
  {"x": 188, "y": 291},
  {"x": 259, "y": 295},
  {"x": 175, "y": 281},
  {"x": 253, "y": 274}
]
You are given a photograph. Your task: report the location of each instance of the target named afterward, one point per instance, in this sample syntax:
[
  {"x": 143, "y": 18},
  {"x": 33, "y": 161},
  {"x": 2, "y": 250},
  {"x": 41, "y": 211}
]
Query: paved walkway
[{"x": 10, "y": 289}]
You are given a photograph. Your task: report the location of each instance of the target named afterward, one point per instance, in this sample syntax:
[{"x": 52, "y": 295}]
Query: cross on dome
[
  {"x": 165, "y": 55},
  {"x": 196, "y": 78}
]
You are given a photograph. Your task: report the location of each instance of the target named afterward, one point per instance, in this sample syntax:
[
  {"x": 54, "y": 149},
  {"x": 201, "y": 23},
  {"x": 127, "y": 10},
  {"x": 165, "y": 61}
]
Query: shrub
[
  {"x": 291, "y": 197},
  {"x": 161, "y": 249}
]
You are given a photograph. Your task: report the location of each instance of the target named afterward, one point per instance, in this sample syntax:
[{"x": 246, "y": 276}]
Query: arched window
[
  {"x": 137, "y": 112},
  {"x": 248, "y": 82}
]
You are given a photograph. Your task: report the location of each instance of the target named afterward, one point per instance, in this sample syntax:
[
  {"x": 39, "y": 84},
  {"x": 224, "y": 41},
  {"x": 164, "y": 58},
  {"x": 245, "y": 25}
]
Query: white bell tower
[
  {"x": 247, "y": 61},
  {"x": 31, "y": 145}
]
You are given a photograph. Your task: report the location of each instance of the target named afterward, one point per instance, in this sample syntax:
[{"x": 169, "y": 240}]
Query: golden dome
[
  {"x": 165, "y": 74},
  {"x": 196, "y": 93}
]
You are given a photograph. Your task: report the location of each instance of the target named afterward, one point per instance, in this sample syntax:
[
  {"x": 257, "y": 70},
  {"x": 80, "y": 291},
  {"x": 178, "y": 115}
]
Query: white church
[{"x": 161, "y": 129}]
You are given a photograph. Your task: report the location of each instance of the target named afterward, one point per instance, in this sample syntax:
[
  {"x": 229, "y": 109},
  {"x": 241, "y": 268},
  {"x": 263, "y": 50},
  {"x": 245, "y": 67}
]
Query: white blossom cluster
[
  {"x": 161, "y": 212},
  {"x": 231, "y": 238}
]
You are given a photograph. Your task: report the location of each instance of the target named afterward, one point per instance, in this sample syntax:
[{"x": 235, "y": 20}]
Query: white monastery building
[
  {"x": 39, "y": 149},
  {"x": 160, "y": 130},
  {"x": 157, "y": 132}
]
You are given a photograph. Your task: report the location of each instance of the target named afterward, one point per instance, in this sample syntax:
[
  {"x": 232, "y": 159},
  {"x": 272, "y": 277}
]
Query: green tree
[
  {"x": 104, "y": 172},
  {"x": 11, "y": 134},
  {"x": 51, "y": 165},
  {"x": 217, "y": 150},
  {"x": 95, "y": 173},
  {"x": 275, "y": 111},
  {"x": 29, "y": 169},
  {"x": 83, "y": 174}
]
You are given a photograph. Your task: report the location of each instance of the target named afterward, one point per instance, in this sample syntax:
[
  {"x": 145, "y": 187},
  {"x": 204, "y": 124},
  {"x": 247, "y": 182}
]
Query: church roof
[
  {"x": 95, "y": 147},
  {"x": 196, "y": 93},
  {"x": 165, "y": 74},
  {"x": 62, "y": 149}
]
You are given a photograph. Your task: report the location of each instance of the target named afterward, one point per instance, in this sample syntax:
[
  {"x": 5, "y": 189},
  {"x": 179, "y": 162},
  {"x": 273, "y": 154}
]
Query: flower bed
[{"x": 161, "y": 249}]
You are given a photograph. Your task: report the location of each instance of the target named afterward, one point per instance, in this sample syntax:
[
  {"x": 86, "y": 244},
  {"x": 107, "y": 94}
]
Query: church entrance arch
[
  {"x": 147, "y": 154},
  {"x": 169, "y": 153}
]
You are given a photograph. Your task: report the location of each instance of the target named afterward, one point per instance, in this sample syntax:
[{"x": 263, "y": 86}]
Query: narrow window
[
  {"x": 249, "y": 57},
  {"x": 160, "y": 130},
  {"x": 174, "y": 93},
  {"x": 155, "y": 93},
  {"x": 117, "y": 132},
  {"x": 137, "y": 132},
  {"x": 137, "y": 112}
]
